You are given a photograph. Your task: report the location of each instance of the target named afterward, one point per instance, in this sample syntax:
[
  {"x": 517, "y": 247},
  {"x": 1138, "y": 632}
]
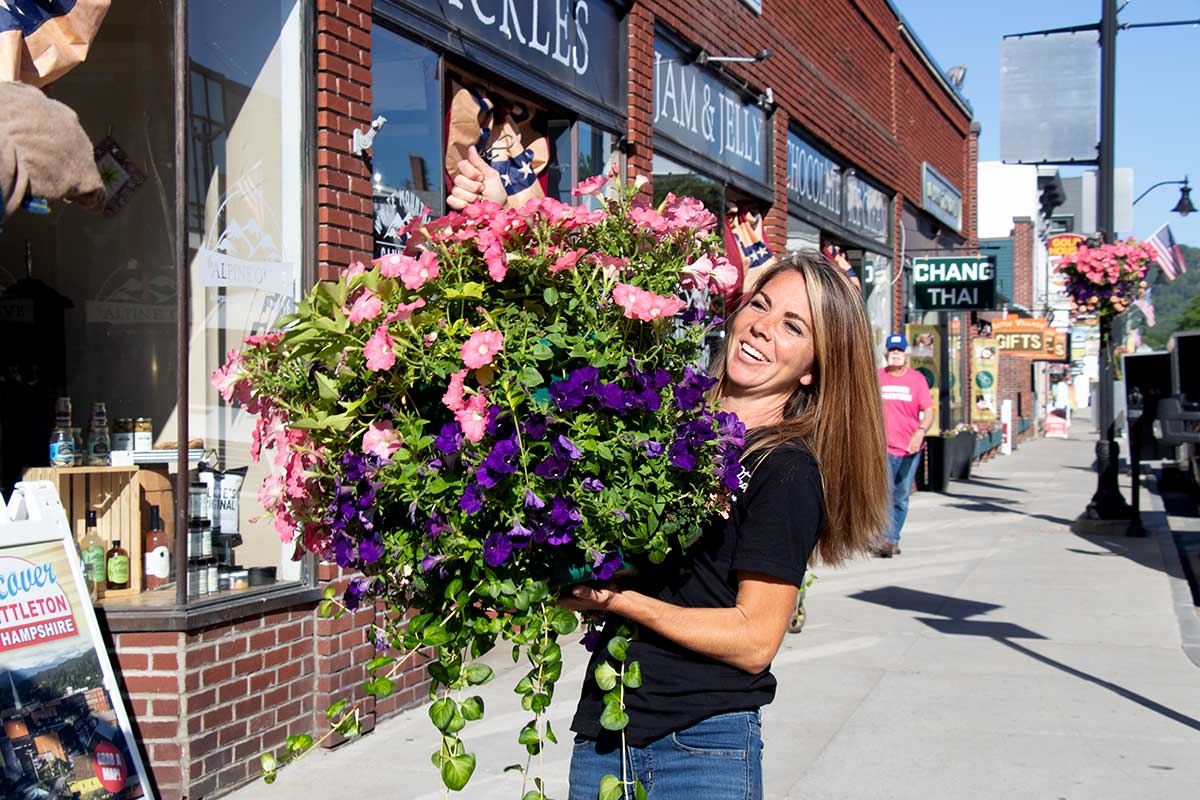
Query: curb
[{"x": 1157, "y": 525}]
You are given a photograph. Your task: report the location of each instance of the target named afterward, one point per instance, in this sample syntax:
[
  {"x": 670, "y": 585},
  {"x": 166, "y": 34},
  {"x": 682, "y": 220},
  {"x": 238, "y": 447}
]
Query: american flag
[
  {"x": 1167, "y": 253},
  {"x": 1145, "y": 304}
]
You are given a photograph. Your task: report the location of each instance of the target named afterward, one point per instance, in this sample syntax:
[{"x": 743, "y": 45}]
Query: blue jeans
[
  {"x": 717, "y": 759},
  {"x": 903, "y": 469}
]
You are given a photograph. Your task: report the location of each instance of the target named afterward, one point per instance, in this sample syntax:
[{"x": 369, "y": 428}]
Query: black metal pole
[
  {"x": 1107, "y": 505},
  {"x": 182, "y": 305}
]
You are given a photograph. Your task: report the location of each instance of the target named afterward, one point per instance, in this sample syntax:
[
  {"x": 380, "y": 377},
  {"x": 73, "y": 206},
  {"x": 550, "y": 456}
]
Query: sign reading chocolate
[
  {"x": 814, "y": 180},
  {"x": 694, "y": 107}
]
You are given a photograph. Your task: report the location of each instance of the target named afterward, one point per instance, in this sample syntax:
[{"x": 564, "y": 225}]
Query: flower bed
[{"x": 513, "y": 398}]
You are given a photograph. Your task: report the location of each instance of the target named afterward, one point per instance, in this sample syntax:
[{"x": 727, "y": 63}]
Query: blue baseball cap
[{"x": 896, "y": 342}]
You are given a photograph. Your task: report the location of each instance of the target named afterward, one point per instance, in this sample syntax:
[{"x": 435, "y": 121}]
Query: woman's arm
[{"x": 746, "y": 636}]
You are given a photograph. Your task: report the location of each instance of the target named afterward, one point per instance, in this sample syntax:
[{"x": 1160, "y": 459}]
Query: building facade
[{"x": 244, "y": 166}]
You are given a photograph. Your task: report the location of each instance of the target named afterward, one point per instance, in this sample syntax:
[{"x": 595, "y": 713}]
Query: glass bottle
[
  {"x": 92, "y": 550},
  {"x": 99, "y": 442},
  {"x": 118, "y": 567},
  {"x": 62, "y": 440},
  {"x": 157, "y": 551}
]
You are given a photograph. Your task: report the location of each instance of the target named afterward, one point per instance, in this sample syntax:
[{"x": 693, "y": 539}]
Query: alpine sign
[{"x": 966, "y": 283}]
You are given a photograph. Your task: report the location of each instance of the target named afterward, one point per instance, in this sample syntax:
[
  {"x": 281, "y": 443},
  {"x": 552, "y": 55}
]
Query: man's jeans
[{"x": 903, "y": 469}]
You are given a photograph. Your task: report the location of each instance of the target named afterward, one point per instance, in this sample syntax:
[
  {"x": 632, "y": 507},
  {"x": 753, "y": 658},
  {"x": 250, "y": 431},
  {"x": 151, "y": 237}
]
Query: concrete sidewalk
[{"x": 1000, "y": 656}]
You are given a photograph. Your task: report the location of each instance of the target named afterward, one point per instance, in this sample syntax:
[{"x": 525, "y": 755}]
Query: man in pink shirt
[{"x": 907, "y": 416}]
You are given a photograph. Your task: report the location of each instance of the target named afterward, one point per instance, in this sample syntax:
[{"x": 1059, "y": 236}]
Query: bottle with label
[
  {"x": 98, "y": 440},
  {"x": 157, "y": 552},
  {"x": 80, "y": 448},
  {"x": 92, "y": 550},
  {"x": 118, "y": 567},
  {"x": 62, "y": 441}
]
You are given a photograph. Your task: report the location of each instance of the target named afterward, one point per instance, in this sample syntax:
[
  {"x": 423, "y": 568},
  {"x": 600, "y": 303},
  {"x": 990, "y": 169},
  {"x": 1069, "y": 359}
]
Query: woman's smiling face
[{"x": 771, "y": 346}]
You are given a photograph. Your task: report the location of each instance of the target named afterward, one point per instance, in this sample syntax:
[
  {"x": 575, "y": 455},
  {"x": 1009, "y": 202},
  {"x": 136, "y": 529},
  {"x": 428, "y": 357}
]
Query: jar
[
  {"x": 198, "y": 502},
  {"x": 196, "y": 576},
  {"x": 122, "y": 437},
  {"x": 143, "y": 434},
  {"x": 199, "y": 540},
  {"x": 239, "y": 579},
  {"x": 214, "y": 575},
  {"x": 224, "y": 578}
]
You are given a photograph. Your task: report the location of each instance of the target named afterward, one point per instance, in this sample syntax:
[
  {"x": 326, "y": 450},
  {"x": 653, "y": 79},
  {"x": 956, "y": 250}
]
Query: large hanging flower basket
[
  {"x": 516, "y": 397},
  {"x": 1104, "y": 281}
]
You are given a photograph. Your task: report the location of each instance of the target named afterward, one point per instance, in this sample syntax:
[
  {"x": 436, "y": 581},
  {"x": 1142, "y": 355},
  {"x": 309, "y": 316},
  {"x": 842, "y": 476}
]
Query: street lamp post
[{"x": 1184, "y": 206}]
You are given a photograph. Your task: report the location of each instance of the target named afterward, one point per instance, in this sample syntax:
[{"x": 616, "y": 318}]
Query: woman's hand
[
  {"x": 591, "y": 598},
  {"x": 475, "y": 180}
]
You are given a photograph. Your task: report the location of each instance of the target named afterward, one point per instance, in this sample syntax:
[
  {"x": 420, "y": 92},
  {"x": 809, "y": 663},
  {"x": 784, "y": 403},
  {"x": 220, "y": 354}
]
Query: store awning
[{"x": 42, "y": 40}]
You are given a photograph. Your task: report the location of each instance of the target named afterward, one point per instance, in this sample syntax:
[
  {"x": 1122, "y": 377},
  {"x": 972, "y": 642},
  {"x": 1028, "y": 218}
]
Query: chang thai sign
[
  {"x": 967, "y": 283},
  {"x": 696, "y": 109},
  {"x": 576, "y": 43}
]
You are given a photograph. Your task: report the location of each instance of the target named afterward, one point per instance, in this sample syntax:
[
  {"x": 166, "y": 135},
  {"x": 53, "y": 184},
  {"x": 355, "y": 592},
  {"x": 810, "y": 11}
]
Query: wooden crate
[{"x": 115, "y": 495}]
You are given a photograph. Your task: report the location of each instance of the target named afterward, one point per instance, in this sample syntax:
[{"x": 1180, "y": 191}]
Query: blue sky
[{"x": 1158, "y": 75}]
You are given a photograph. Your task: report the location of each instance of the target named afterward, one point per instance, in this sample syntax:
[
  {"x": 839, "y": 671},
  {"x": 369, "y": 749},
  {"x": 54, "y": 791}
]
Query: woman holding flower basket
[{"x": 798, "y": 371}]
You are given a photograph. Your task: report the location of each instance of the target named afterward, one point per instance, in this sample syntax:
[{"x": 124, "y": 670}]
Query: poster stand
[{"x": 64, "y": 729}]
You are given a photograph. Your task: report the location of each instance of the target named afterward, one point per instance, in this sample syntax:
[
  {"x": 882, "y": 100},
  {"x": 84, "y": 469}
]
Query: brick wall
[
  {"x": 971, "y": 190},
  {"x": 641, "y": 91},
  {"x": 1016, "y": 384},
  {"x": 148, "y": 664},
  {"x": 1022, "y": 237},
  {"x": 345, "y": 212}
]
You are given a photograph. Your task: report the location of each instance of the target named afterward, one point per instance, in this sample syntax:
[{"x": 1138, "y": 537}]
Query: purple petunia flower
[
  {"x": 532, "y": 500},
  {"x": 652, "y": 448},
  {"x": 689, "y": 392},
  {"x": 471, "y": 501},
  {"x": 731, "y": 472},
  {"x": 371, "y": 550},
  {"x": 431, "y": 561},
  {"x": 606, "y": 565},
  {"x": 578, "y": 386},
  {"x": 343, "y": 550},
  {"x": 496, "y": 549},
  {"x": 484, "y": 478},
  {"x": 502, "y": 460},
  {"x": 519, "y": 534},
  {"x": 564, "y": 513},
  {"x": 566, "y": 449},
  {"x": 681, "y": 456},
  {"x": 356, "y": 590},
  {"x": 696, "y": 431},
  {"x": 613, "y": 397},
  {"x": 534, "y": 426},
  {"x": 498, "y": 421},
  {"x": 620, "y": 512},
  {"x": 553, "y": 468},
  {"x": 591, "y": 639},
  {"x": 450, "y": 439},
  {"x": 732, "y": 429},
  {"x": 435, "y": 526},
  {"x": 592, "y": 485}
]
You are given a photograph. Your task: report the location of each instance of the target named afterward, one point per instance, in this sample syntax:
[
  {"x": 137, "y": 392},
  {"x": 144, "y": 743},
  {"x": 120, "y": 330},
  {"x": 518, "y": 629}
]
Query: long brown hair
[{"x": 839, "y": 417}]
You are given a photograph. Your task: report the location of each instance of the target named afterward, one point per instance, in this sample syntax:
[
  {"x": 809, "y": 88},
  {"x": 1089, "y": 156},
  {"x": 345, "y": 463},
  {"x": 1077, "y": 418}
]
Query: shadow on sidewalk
[
  {"x": 990, "y": 484},
  {"x": 1004, "y": 505},
  {"x": 953, "y": 619}
]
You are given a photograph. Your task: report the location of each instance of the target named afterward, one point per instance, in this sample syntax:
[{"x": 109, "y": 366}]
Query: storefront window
[
  {"x": 246, "y": 250},
  {"x": 406, "y": 154},
  {"x": 87, "y": 300},
  {"x": 876, "y": 276},
  {"x": 669, "y": 176}
]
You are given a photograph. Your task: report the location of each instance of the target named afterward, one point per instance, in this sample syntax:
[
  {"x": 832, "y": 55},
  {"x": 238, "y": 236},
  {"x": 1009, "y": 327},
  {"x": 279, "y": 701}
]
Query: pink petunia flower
[
  {"x": 226, "y": 377},
  {"x": 354, "y": 270},
  {"x": 687, "y": 212},
  {"x": 454, "y": 398},
  {"x": 646, "y": 217},
  {"x": 404, "y": 311},
  {"x": 590, "y": 186},
  {"x": 366, "y": 307},
  {"x": 379, "y": 350},
  {"x": 391, "y": 265},
  {"x": 481, "y": 348},
  {"x": 645, "y": 306},
  {"x": 497, "y": 260},
  {"x": 725, "y": 275},
  {"x": 381, "y": 440},
  {"x": 566, "y": 261},
  {"x": 473, "y": 418},
  {"x": 420, "y": 270}
]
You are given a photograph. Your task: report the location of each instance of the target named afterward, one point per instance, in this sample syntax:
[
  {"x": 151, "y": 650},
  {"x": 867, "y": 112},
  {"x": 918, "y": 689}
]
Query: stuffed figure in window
[
  {"x": 745, "y": 246},
  {"x": 496, "y": 148}
]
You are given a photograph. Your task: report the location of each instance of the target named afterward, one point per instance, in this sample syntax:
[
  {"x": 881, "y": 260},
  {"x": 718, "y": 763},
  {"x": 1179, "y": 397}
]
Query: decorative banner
[
  {"x": 745, "y": 244},
  {"x": 925, "y": 356},
  {"x": 966, "y": 283},
  {"x": 985, "y": 373},
  {"x": 63, "y": 734}
]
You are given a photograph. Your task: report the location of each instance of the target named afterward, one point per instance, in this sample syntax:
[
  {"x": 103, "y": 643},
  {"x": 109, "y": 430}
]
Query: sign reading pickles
[
  {"x": 985, "y": 363},
  {"x": 966, "y": 283}
]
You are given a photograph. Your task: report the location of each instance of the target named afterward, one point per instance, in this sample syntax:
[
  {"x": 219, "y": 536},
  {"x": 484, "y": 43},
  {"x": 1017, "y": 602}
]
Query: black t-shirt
[{"x": 773, "y": 525}]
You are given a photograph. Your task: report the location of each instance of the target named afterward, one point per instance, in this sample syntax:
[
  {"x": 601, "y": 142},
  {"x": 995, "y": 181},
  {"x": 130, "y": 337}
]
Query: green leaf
[
  {"x": 379, "y": 662},
  {"x": 633, "y": 675},
  {"x": 466, "y": 290},
  {"x": 326, "y": 388},
  {"x": 335, "y": 710},
  {"x": 618, "y": 647},
  {"x": 524, "y": 686},
  {"x": 380, "y": 687},
  {"x": 441, "y": 713},
  {"x": 540, "y": 702},
  {"x": 550, "y": 295},
  {"x": 563, "y": 621},
  {"x": 457, "y": 771},
  {"x": 521, "y": 600},
  {"x": 478, "y": 674},
  {"x": 610, "y": 788},
  {"x": 325, "y": 608},
  {"x": 639, "y": 791},
  {"x": 329, "y": 593},
  {"x": 606, "y": 676},
  {"x": 268, "y": 762},
  {"x": 299, "y": 743},
  {"x": 533, "y": 794},
  {"x": 529, "y": 735},
  {"x": 541, "y": 352},
  {"x": 435, "y": 636},
  {"x": 612, "y": 718},
  {"x": 551, "y": 672},
  {"x": 531, "y": 377},
  {"x": 472, "y": 708},
  {"x": 550, "y": 733}
]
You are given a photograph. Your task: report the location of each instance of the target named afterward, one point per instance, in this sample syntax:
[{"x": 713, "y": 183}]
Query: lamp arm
[{"x": 1155, "y": 186}]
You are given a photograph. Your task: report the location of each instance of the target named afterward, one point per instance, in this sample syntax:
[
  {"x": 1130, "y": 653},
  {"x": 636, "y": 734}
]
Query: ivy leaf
[
  {"x": 456, "y": 771},
  {"x": 529, "y": 735},
  {"x": 606, "y": 676},
  {"x": 633, "y": 675},
  {"x": 563, "y": 621},
  {"x": 268, "y": 763},
  {"x": 335, "y": 710},
  {"x": 610, "y": 788},
  {"x": 435, "y": 636},
  {"x": 612, "y": 718},
  {"x": 524, "y": 686},
  {"x": 379, "y": 662},
  {"x": 618, "y": 647},
  {"x": 299, "y": 743},
  {"x": 380, "y": 687},
  {"x": 441, "y": 713},
  {"x": 639, "y": 791},
  {"x": 472, "y": 708},
  {"x": 478, "y": 674},
  {"x": 550, "y": 733}
]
